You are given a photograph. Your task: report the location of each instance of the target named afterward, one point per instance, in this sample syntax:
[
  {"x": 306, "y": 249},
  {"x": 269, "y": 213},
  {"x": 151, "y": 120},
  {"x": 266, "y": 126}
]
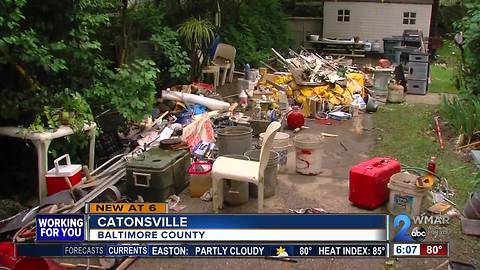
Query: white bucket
[
  {"x": 281, "y": 142},
  {"x": 405, "y": 196},
  {"x": 308, "y": 153}
]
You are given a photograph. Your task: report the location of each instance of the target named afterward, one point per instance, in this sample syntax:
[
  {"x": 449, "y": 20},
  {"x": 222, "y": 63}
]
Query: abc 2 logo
[{"x": 417, "y": 234}]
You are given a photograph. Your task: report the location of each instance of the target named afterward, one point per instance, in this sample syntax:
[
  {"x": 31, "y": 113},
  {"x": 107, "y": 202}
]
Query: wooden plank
[
  {"x": 342, "y": 49},
  {"x": 347, "y": 55}
]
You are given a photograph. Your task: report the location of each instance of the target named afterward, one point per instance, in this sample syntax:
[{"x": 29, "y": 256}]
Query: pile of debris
[
  {"x": 312, "y": 69},
  {"x": 319, "y": 84}
]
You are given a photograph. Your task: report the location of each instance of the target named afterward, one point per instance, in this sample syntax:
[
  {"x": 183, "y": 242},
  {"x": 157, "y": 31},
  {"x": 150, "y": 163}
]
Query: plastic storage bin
[
  {"x": 200, "y": 178},
  {"x": 368, "y": 181},
  {"x": 418, "y": 71},
  {"x": 417, "y": 87}
]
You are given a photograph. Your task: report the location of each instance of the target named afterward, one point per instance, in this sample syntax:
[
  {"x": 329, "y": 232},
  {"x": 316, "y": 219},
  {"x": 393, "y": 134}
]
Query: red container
[
  {"x": 37, "y": 263},
  {"x": 56, "y": 181},
  {"x": 7, "y": 255},
  {"x": 369, "y": 179}
]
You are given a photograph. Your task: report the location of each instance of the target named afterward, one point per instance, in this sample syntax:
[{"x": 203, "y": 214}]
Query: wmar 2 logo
[{"x": 417, "y": 234}]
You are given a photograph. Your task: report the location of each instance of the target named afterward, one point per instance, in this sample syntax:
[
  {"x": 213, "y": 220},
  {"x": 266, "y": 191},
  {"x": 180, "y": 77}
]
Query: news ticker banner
[
  {"x": 205, "y": 250},
  {"x": 144, "y": 226}
]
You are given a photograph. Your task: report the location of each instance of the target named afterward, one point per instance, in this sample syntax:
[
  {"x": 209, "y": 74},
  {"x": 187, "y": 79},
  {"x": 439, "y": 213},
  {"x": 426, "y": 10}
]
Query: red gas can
[{"x": 369, "y": 179}]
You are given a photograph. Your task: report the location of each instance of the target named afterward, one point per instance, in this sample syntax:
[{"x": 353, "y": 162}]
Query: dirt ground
[{"x": 328, "y": 190}]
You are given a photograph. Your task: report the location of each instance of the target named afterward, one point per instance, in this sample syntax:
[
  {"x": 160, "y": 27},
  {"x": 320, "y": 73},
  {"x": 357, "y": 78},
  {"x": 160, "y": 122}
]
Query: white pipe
[{"x": 210, "y": 103}]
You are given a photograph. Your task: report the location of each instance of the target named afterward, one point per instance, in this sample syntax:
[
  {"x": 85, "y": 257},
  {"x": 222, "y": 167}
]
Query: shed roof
[{"x": 419, "y": 2}]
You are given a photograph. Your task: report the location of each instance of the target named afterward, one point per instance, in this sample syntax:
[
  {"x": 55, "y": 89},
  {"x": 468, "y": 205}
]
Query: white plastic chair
[
  {"x": 225, "y": 58},
  {"x": 243, "y": 170},
  {"x": 210, "y": 69},
  {"x": 215, "y": 71}
]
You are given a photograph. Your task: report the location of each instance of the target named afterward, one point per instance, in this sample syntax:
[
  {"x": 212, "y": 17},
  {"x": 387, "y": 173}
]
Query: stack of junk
[
  {"x": 319, "y": 85},
  {"x": 191, "y": 126}
]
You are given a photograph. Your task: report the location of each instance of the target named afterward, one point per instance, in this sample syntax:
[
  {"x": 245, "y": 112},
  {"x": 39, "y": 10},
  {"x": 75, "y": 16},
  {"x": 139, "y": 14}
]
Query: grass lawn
[
  {"x": 404, "y": 132},
  {"x": 442, "y": 80},
  {"x": 443, "y": 77}
]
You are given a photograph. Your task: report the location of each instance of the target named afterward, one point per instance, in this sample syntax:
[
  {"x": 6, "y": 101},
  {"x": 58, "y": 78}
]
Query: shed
[{"x": 372, "y": 20}]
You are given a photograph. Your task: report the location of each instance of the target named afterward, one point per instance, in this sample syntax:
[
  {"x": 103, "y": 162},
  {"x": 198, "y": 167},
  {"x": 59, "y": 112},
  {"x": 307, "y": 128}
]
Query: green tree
[
  {"x": 471, "y": 27},
  {"x": 197, "y": 33},
  {"x": 258, "y": 27},
  {"x": 149, "y": 24},
  {"x": 253, "y": 27},
  {"x": 58, "y": 58}
]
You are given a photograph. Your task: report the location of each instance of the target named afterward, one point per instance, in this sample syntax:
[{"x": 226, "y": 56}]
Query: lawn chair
[
  {"x": 209, "y": 69},
  {"x": 225, "y": 59},
  {"x": 243, "y": 170}
]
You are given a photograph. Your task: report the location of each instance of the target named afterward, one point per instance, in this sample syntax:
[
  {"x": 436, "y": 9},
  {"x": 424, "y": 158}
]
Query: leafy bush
[
  {"x": 24, "y": 54},
  {"x": 471, "y": 27},
  {"x": 449, "y": 13},
  {"x": 66, "y": 107},
  {"x": 197, "y": 33},
  {"x": 149, "y": 23},
  {"x": 167, "y": 43},
  {"x": 462, "y": 114},
  {"x": 56, "y": 58},
  {"x": 178, "y": 11},
  {"x": 129, "y": 89},
  {"x": 252, "y": 26},
  {"x": 259, "y": 26}
]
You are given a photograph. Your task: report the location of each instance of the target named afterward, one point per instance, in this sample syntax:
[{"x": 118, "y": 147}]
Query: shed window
[
  {"x": 343, "y": 15},
  {"x": 409, "y": 17}
]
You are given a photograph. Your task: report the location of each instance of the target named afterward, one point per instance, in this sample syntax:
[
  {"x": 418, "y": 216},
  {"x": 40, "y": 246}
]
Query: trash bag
[{"x": 200, "y": 129}]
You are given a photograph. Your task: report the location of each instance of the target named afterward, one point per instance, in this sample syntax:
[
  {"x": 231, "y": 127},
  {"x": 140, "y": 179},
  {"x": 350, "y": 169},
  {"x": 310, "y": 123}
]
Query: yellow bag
[
  {"x": 293, "y": 85},
  {"x": 321, "y": 90},
  {"x": 289, "y": 91},
  {"x": 358, "y": 77},
  {"x": 306, "y": 110},
  {"x": 306, "y": 91},
  {"x": 283, "y": 79},
  {"x": 299, "y": 98}
]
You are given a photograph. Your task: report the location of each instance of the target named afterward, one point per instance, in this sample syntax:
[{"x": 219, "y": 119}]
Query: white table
[{"x": 41, "y": 141}]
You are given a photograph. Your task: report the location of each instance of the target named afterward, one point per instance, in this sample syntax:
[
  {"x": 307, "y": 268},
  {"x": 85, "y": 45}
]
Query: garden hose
[
  {"x": 410, "y": 168},
  {"x": 442, "y": 184}
]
